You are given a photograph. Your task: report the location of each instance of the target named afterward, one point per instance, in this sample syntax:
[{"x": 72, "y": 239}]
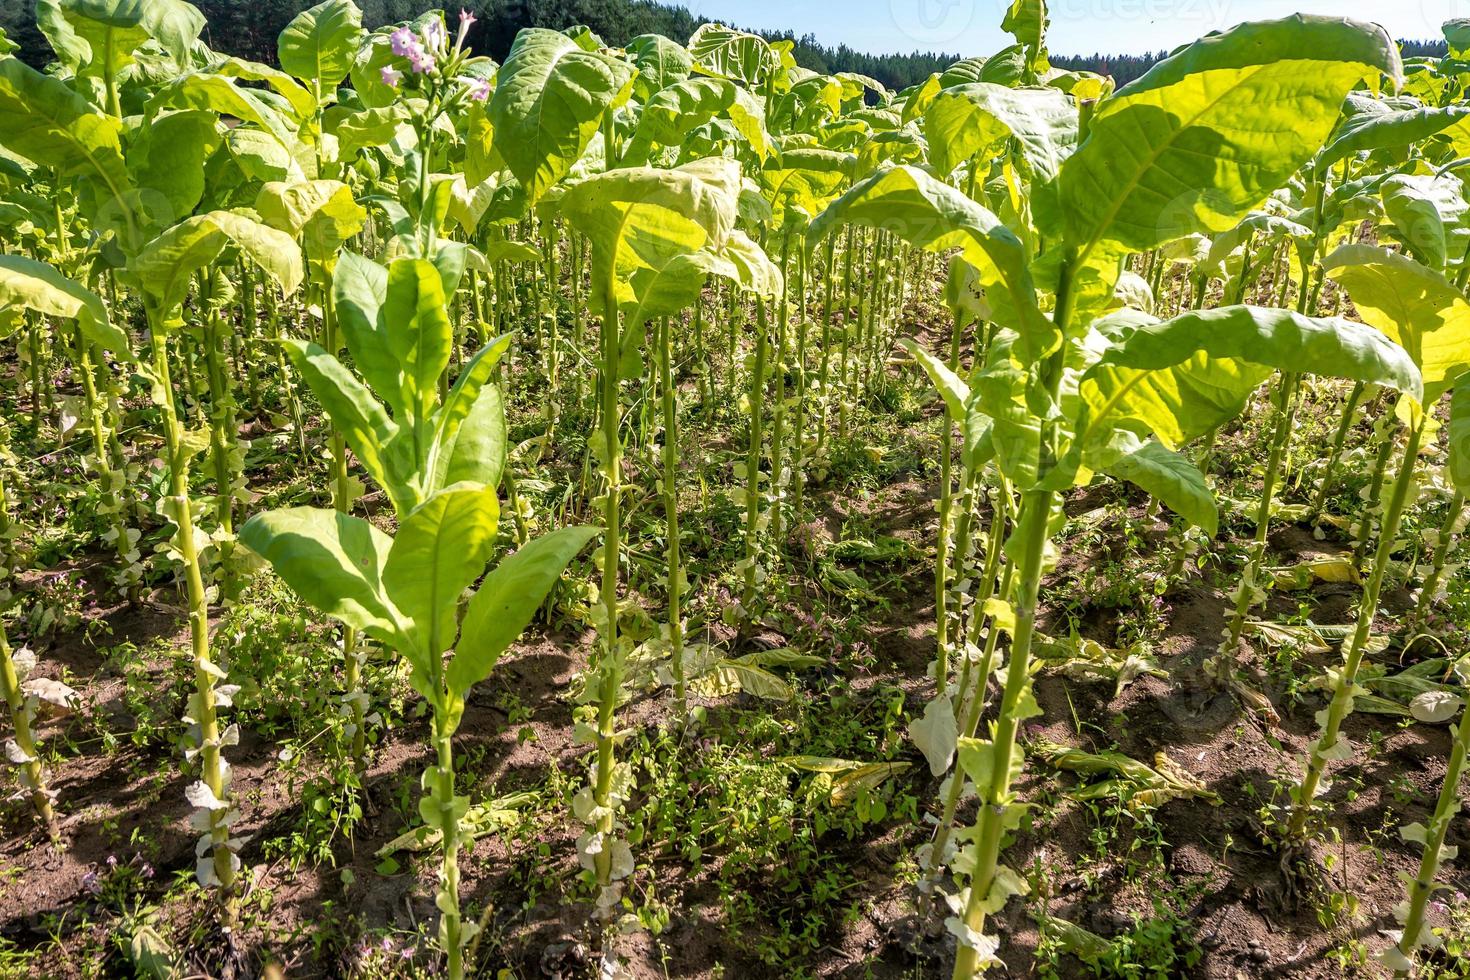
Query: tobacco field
[{"x": 658, "y": 511}]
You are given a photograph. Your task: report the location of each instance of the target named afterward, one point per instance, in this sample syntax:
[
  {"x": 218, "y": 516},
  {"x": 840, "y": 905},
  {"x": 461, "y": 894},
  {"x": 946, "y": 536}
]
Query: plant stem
[
  {"x": 1225, "y": 661},
  {"x": 671, "y": 512},
  {"x": 1430, "y": 587},
  {"x": 1345, "y": 682},
  {"x": 753, "y": 454},
  {"x": 1444, "y": 813},
  {"x": 1339, "y": 439},
  {"x": 33, "y": 776},
  {"x": 996, "y": 797},
  {"x": 211, "y": 764}
]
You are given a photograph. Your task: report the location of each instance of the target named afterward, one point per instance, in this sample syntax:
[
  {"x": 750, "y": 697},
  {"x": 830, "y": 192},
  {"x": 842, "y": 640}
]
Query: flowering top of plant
[{"x": 424, "y": 56}]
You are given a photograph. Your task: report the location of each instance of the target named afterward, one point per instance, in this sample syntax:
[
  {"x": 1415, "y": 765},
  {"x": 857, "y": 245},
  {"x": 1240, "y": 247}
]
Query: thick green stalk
[
  {"x": 1339, "y": 439},
  {"x": 1345, "y": 682},
  {"x": 1422, "y": 886},
  {"x": 798, "y": 432},
  {"x": 211, "y": 767},
  {"x": 778, "y": 406},
  {"x": 33, "y": 776},
  {"x": 996, "y": 797},
  {"x": 845, "y": 360},
  {"x": 109, "y": 479},
  {"x": 1225, "y": 661},
  {"x": 824, "y": 370},
  {"x": 946, "y": 502},
  {"x": 609, "y": 669},
  {"x": 753, "y": 454},
  {"x": 1375, "y": 496},
  {"x": 671, "y": 512},
  {"x": 1430, "y": 587}
]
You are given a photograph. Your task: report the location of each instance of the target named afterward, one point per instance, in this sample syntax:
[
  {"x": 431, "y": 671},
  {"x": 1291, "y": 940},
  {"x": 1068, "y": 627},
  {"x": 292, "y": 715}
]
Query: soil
[{"x": 1230, "y": 882}]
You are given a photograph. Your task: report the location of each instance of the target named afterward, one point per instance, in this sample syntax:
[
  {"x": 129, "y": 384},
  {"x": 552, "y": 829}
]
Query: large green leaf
[
  {"x": 548, "y": 102},
  {"x": 97, "y": 37},
  {"x": 439, "y": 550},
  {"x": 167, "y": 161},
  {"x": 1430, "y": 215},
  {"x": 1180, "y": 378},
  {"x": 1167, "y": 476},
  {"x": 31, "y": 285},
  {"x": 963, "y": 120},
  {"x": 418, "y": 334},
  {"x": 165, "y": 265},
  {"x": 682, "y": 106},
  {"x": 46, "y": 122},
  {"x": 334, "y": 562},
  {"x": 733, "y": 54},
  {"x": 1209, "y": 132},
  {"x": 642, "y": 217},
  {"x": 303, "y": 104},
  {"x": 1460, "y": 434},
  {"x": 322, "y": 213},
  {"x": 219, "y": 94},
  {"x": 359, "y": 287},
  {"x": 471, "y": 407},
  {"x": 320, "y": 43},
  {"x": 1416, "y": 307},
  {"x": 1373, "y": 129},
  {"x": 660, "y": 63},
  {"x": 353, "y": 411},
  {"x": 929, "y": 214},
  {"x": 506, "y": 601}
]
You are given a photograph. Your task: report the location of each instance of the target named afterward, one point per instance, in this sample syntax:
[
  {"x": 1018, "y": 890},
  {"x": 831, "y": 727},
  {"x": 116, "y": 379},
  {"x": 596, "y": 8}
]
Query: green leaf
[
  {"x": 334, "y": 562},
  {"x": 1199, "y": 141},
  {"x": 729, "y": 53},
  {"x": 1180, "y": 378},
  {"x": 218, "y": 94},
  {"x": 548, "y": 102},
  {"x": 322, "y": 213},
  {"x": 320, "y": 43},
  {"x": 963, "y": 120},
  {"x": 482, "y": 457},
  {"x": 1380, "y": 127},
  {"x": 301, "y": 101},
  {"x": 932, "y": 215},
  {"x": 167, "y": 160},
  {"x": 506, "y": 601},
  {"x": 441, "y": 547},
  {"x": 31, "y": 285},
  {"x": 44, "y": 121},
  {"x": 660, "y": 63},
  {"x": 643, "y": 217},
  {"x": 100, "y": 36},
  {"x": 956, "y": 393},
  {"x": 1459, "y": 434},
  {"x": 1416, "y": 307},
  {"x": 1430, "y": 215},
  {"x": 475, "y": 449},
  {"x": 1173, "y": 480},
  {"x": 359, "y": 287},
  {"x": 682, "y": 106},
  {"x": 166, "y": 264},
  {"x": 353, "y": 411},
  {"x": 418, "y": 333}
]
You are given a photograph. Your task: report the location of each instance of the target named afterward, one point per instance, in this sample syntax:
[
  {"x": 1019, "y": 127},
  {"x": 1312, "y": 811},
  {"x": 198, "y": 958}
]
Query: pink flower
[
  {"x": 391, "y": 76},
  {"x": 420, "y": 61},
  {"x": 403, "y": 42},
  {"x": 465, "y": 20},
  {"x": 434, "y": 37},
  {"x": 480, "y": 90}
]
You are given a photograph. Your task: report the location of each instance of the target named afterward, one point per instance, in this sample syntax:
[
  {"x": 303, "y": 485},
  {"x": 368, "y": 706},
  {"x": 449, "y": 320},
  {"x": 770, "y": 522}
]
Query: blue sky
[{"x": 972, "y": 27}]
